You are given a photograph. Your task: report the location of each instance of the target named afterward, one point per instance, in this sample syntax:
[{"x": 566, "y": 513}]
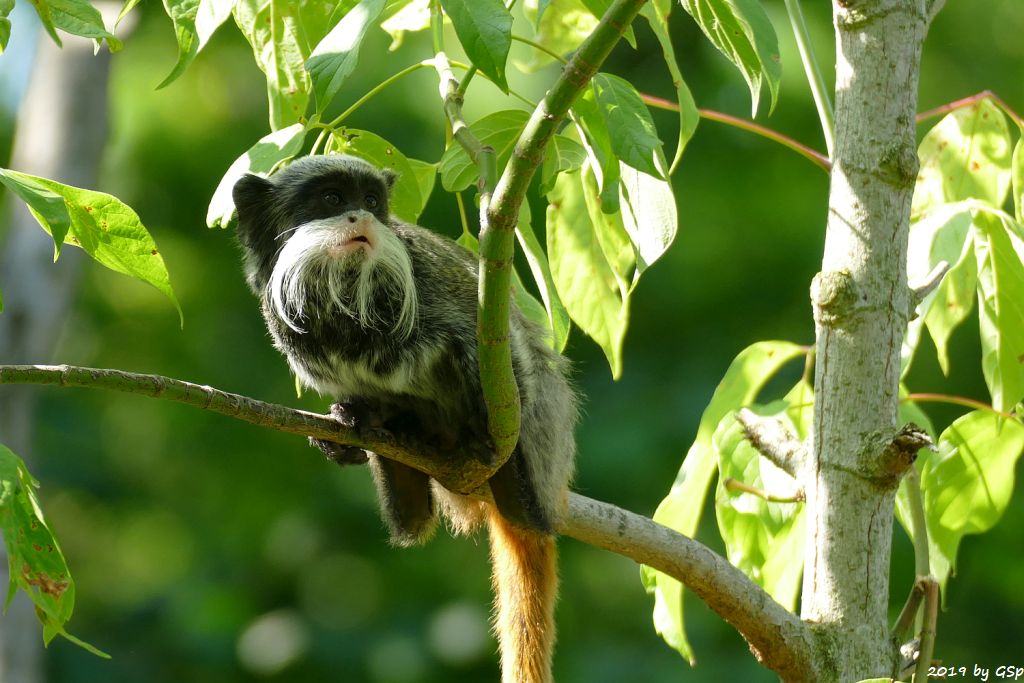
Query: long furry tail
[{"x": 525, "y": 585}]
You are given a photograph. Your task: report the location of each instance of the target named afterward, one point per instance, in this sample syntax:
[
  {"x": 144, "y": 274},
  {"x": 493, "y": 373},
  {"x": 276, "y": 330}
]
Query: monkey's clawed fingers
[{"x": 337, "y": 453}]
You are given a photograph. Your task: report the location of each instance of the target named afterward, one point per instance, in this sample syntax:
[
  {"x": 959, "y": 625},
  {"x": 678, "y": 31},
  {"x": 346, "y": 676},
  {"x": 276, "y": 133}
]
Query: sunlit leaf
[
  {"x": 46, "y": 206},
  {"x": 484, "y": 28},
  {"x": 1017, "y": 173},
  {"x": 634, "y": 139},
  {"x": 598, "y": 144},
  {"x": 183, "y": 16},
  {"x": 1000, "y": 310},
  {"x": 36, "y": 564},
  {"x": 585, "y": 281},
  {"x": 413, "y": 16},
  {"x": 335, "y": 57},
  {"x": 110, "y": 232},
  {"x": 406, "y": 202},
  {"x": 742, "y": 31},
  {"x": 563, "y": 154},
  {"x": 648, "y": 208},
  {"x": 5, "y": 25},
  {"x": 965, "y": 156},
  {"x": 562, "y": 26},
  {"x": 260, "y": 159},
  {"x": 611, "y": 234},
  {"x": 209, "y": 16},
  {"x": 681, "y": 509},
  {"x": 557, "y": 318},
  {"x": 499, "y": 130},
  {"x": 76, "y": 17}
]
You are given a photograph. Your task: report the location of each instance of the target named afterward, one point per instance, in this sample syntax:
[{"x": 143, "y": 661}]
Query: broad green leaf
[
  {"x": 499, "y": 130},
  {"x": 484, "y": 28},
  {"x": 557, "y": 318},
  {"x": 110, "y": 232},
  {"x": 563, "y": 154},
  {"x": 260, "y": 159},
  {"x": 46, "y": 206},
  {"x": 689, "y": 117},
  {"x": 611, "y": 235},
  {"x": 282, "y": 35},
  {"x": 412, "y": 16},
  {"x": 1000, "y": 311},
  {"x": 681, "y": 509},
  {"x": 952, "y": 301},
  {"x": 649, "y": 215},
  {"x": 634, "y": 139},
  {"x": 742, "y": 31},
  {"x": 426, "y": 177},
  {"x": 585, "y": 282},
  {"x": 406, "y": 201},
  {"x": 76, "y": 17},
  {"x": 35, "y": 561},
  {"x": 336, "y": 56},
  {"x": 5, "y": 25},
  {"x": 968, "y": 483},
  {"x": 965, "y": 156},
  {"x": 1017, "y": 172},
  {"x": 209, "y": 16},
  {"x": 562, "y": 26},
  {"x": 126, "y": 8},
  {"x": 593, "y": 131},
  {"x": 183, "y": 16}
]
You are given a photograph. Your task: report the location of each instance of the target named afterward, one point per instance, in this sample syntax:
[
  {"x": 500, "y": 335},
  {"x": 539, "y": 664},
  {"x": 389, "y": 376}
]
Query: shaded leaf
[
  {"x": 76, "y": 17},
  {"x": 499, "y": 130},
  {"x": 557, "y": 318},
  {"x": 631, "y": 131},
  {"x": 742, "y": 31},
  {"x": 562, "y": 26},
  {"x": 484, "y": 28},
  {"x": 183, "y": 16},
  {"x": 426, "y": 177},
  {"x": 689, "y": 117},
  {"x": 681, "y": 509},
  {"x": 46, "y": 206},
  {"x": 563, "y": 154}
]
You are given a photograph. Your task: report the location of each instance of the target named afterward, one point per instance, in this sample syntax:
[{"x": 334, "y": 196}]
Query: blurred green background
[{"x": 209, "y": 550}]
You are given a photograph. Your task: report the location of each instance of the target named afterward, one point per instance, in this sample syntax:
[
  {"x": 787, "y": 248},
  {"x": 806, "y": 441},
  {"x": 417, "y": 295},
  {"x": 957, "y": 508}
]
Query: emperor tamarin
[{"x": 380, "y": 315}]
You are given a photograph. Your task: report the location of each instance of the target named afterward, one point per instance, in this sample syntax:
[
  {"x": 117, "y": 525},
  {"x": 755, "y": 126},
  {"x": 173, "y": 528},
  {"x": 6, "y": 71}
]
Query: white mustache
[{"x": 309, "y": 260}]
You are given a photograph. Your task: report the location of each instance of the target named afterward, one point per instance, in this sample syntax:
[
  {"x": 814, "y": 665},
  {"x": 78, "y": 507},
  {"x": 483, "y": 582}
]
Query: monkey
[{"x": 380, "y": 315}]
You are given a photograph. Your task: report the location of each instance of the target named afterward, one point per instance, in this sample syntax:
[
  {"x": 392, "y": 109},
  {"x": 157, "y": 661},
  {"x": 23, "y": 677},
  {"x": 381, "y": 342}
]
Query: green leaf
[
  {"x": 649, "y": 216},
  {"x": 681, "y": 509},
  {"x": 183, "y": 16},
  {"x": 336, "y": 56},
  {"x": 585, "y": 281},
  {"x": 484, "y": 28},
  {"x": 557, "y": 318},
  {"x": 5, "y": 24},
  {"x": 282, "y": 35},
  {"x": 260, "y": 159},
  {"x": 406, "y": 201},
  {"x": 110, "y": 232},
  {"x": 426, "y": 176},
  {"x": 562, "y": 26},
  {"x": 689, "y": 117},
  {"x": 35, "y": 561},
  {"x": 209, "y": 16},
  {"x": 968, "y": 484},
  {"x": 499, "y": 130},
  {"x": 1000, "y": 310},
  {"x": 593, "y": 129},
  {"x": 76, "y": 17},
  {"x": 952, "y": 301},
  {"x": 563, "y": 154},
  {"x": 412, "y": 16},
  {"x": 742, "y": 31},
  {"x": 46, "y": 206},
  {"x": 1, "y": 301},
  {"x": 611, "y": 235},
  {"x": 966, "y": 155},
  {"x": 634, "y": 139},
  {"x": 126, "y": 8},
  {"x": 1017, "y": 173}
]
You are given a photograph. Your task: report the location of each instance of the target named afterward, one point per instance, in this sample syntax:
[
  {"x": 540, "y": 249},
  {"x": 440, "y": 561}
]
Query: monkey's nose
[{"x": 352, "y": 218}]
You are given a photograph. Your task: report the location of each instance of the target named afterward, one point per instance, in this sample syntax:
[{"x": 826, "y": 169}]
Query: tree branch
[
  {"x": 777, "y": 637},
  {"x": 773, "y": 440}
]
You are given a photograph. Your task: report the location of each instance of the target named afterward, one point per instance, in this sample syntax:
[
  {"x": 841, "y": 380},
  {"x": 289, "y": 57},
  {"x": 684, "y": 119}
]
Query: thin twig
[
  {"x": 969, "y": 101},
  {"x": 773, "y": 440}
]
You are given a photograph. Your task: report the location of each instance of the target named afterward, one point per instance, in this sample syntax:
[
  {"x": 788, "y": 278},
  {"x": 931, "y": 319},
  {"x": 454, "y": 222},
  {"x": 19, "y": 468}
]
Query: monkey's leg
[
  {"x": 515, "y": 495},
  {"x": 336, "y": 452},
  {"x": 405, "y": 500}
]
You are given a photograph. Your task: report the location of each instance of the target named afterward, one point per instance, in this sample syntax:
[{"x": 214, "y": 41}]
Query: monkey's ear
[
  {"x": 389, "y": 177},
  {"x": 252, "y": 194}
]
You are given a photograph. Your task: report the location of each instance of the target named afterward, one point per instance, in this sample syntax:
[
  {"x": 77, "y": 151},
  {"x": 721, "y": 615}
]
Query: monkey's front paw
[
  {"x": 345, "y": 413},
  {"x": 337, "y": 453}
]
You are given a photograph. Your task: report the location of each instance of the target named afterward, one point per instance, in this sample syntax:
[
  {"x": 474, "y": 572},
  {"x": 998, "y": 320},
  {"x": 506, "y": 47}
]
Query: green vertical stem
[{"x": 814, "y": 78}]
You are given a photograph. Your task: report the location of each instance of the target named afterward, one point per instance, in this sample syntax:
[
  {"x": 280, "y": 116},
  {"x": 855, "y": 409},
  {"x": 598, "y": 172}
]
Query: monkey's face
[{"x": 320, "y": 232}]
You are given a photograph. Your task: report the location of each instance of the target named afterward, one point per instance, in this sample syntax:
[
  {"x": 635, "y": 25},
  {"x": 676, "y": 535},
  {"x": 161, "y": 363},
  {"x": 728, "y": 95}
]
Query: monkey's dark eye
[
  {"x": 331, "y": 198},
  {"x": 371, "y": 201}
]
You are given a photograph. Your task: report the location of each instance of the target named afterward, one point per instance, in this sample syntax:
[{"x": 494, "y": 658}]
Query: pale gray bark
[
  {"x": 861, "y": 305},
  {"x": 61, "y": 131}
]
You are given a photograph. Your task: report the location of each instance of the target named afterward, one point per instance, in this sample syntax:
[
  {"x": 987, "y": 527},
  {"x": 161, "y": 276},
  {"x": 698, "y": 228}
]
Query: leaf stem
[
  {"x": 540, "y": 48},
  {"x": 968, "y": 101},
  {"x": 376, "y": 90},
  {"x": 736, "y": 485},
  {"x": 814, "y": 78},
  {"x": 803, "y": 150},
  {"x": 959, "y": 401}
]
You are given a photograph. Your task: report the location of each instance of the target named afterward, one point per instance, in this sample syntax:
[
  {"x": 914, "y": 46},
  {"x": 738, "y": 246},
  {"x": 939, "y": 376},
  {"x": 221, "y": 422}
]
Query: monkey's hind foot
[{"x": 336, "y": 452}]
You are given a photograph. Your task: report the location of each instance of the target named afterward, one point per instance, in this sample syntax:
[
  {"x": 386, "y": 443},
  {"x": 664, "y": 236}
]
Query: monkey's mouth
[{"x": 347, "y": 245}]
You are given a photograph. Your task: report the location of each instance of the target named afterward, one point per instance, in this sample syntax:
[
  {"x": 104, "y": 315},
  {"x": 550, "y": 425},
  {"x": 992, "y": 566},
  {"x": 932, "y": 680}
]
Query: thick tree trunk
[{"x": 861, "y": 304}]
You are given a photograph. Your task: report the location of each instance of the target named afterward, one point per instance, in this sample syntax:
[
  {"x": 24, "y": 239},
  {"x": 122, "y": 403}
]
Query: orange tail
[{"x": 525, "y": 585}]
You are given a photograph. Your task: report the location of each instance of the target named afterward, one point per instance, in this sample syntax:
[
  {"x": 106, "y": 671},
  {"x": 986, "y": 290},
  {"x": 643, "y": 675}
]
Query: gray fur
[{"x": 417, "y": 374}]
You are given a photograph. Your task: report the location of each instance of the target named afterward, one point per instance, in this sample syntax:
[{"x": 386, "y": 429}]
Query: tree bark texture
[{"x": 861, "y": 307}]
